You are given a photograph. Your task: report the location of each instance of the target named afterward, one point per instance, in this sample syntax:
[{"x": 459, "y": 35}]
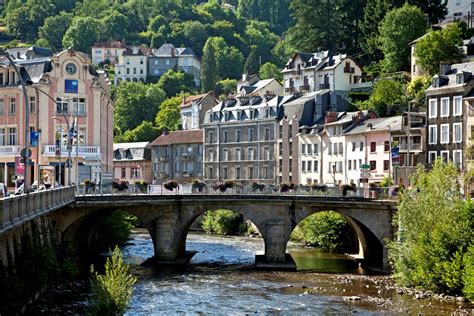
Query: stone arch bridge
[{"x": 168, "y": 219}]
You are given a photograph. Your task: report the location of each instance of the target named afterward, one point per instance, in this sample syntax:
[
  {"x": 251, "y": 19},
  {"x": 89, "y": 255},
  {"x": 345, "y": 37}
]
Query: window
[
  {"x": 12, "y": 110},
  {"x": 251, "y": 135},
  {"x": 330, "y": 169},
  {"x": 134, "y": 70},
  {"x": 433, "y": 108},
  {"x": 444, "y": 154},
  {"x": 210, "y": 137},
  {"x": 224, "y": 172},
  {"x": 353, "y": 146},
  {"x": 349, "y": 166},
  {"x": 209, "y": 173},
  {"x": 330, "y": 149},
  {"x": 355, "y": 164},
  {"x": 12, "y": 136},
  {"x": 32, "y": 104},
  {"x": 444, "y": 128},
  {"x": 435, "y": 82},
  {"x": 2, "y": 137},
  {"x": 361, "y": 146},
  {"x": 373, "y": 147},
  {"x": 460, "y": 78},
  {"x": 225, "y": 155},
  {"x": 266, "y": 172},
  {"x": 211, "y": 155},
  {"x": 310, "y": 149},
  {"x": 303, "y": 166},
  {"x": 156, "y": 64},
  {"x": 1, "y": 107},
  {"x": 127, "y": 61},
  {"x": 373, "y": 165},
  {"x": 432, "y": 156},
  {"x": 124, "y": 173},
  {"x": 432, "y": 134},
  {"x": 79, "y": 106},
  {"x": 237, "y": 136},
  {"x": 334, "y": 149},
  {"x": 303, "y": 149},
  {"x": 457, "y": 110},
  {"x": 251, "y": 157},
  {"x": 250, "y": 172},
  {"x": 266, "y": 154},
  {"x": 167, "y": 62},
  {"x": 457, "y": 156},
  {"x": 457, "y": 132},
  {"x": 386, "y": 146},
  {"x": 315, "y": 165},
  {"x": 316, "y": 149},
  {"x": 141, "y": 71},
  {"x": 444, "y": 107},
  {"x": 128, "y": 71},
  {"x": 238, "y": 154},
  {"x": 61, "y": 106},
  {"x": 310, "y": 166},
  {"x": 341, "y": 149},
  {"x": 237, "y": 172},
  {"x": 141, "y": 61},
  {"x": 339, "y": 166},
  {"x": 386, "y": 165},
  {"x": 267, "y": 134},
  {"x": 225, "y": 137}
]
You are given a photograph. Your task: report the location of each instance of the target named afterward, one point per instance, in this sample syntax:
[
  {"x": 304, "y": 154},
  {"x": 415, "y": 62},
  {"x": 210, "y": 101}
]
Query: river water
[{"x": 221, "y": 280}]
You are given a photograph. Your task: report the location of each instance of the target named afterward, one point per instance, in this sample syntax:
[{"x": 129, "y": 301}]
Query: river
[{"x": 221, "y": 280}]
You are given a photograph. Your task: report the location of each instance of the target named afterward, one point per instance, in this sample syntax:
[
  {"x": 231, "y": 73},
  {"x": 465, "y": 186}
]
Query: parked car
[{"x": 3, "y": 191}]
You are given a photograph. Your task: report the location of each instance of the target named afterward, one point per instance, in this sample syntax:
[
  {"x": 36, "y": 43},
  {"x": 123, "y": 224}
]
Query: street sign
[
  {"x": 365, "y": 166},
  {"x": 24, "y": 153},
  {"x": 34, "y": 137}
]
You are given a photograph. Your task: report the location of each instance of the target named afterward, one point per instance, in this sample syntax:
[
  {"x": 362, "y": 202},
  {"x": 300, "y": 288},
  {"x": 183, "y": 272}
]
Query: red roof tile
[
  {"x": 179, "y": 137},
  {"x": 187, "y": 101}
]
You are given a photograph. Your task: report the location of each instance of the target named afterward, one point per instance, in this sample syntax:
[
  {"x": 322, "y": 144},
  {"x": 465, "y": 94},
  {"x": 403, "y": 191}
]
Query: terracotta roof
[
  {"x": 111, "y": 44},
  {"x": 187, "y": 101},
  {"x": 179, "y": 137}
]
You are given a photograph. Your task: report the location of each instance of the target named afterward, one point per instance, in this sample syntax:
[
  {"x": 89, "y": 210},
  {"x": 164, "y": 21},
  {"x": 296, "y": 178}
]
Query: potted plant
[
  {"x": 171, "y": 185},
  {"x": 319, "y": 187},
  {"x": 141, "y": 185},
  {"x": 284, "y": 187},
  {"x": 347, "y": 187},
  {"x": 198, "y": 185},
  {"x": 257, "y": 186},
  {"x": 120, "y": 185},
  {"x": 220, "y": 187},
  {"x": 89, "y": 185}
]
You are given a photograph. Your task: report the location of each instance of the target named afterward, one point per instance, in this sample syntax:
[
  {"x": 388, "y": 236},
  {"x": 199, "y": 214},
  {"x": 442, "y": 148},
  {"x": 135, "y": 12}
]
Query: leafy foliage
[
  {"x": 439, "y": 47},
  {"x": 82, "y": 33},
  {"x": 145, "y": 132},
  {"x": 388, "y": 98},
  {"x": 397, "y": 30},
  {"x": 222, "y": 222},
  {"x": 327, "y": 231},
  {"x": 113, "y": 290},
  {"x": 169, "y": 117},
  {"x": 53, "y": 30},
  {"x": 116, "y": 229},
  {"x": 435, "y": 230},
  {"x": 175, "y": 82},
  {"x": 269, "y": 70},
  {"x": 416, "y": 90}
]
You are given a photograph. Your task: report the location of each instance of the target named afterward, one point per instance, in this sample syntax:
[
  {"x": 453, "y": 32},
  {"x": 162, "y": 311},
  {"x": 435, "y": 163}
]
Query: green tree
[
  {"x": 53, "y": 30},
  {"x": 82, "y": 34},
  {"x": 269, "y": 70},
  {"x": 222, "y": 222},
  {"x": 398, "y": 29},
  {"x": 434, "y": 9},
  {"x": 115, "y": 25},
  {"x": 260, "y": 39},
  {"x": 24, "y": 21},
  {"x": 145, "y": 132},
  {"x": 388, "y": 98},
  {"x": 190, "y": 34},
  {"x": 113, "y": 290},
  {"x": 438, "y": 47},
  {"x": 276, "y": 13},
  {"x": 416, "y": 90},
  {"x": 210, "y": 72},
  {"x": 252, "y": 63},
  {"x": 435, "y": 229},
  {"x": 136, "y": 103},
  {"x": 175, "y": 82},
  {"x": 92, "y": 8},
  {"x": 169, "y": 116},
  {"x": 226, "y": 87},
  {"x": 230, "y": 62}
]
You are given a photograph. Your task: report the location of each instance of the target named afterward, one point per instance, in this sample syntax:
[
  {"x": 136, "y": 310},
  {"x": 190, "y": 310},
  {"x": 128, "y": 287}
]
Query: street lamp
[
  {"x": 60, "y": 144},
  {"x": 27, "y": 121}
]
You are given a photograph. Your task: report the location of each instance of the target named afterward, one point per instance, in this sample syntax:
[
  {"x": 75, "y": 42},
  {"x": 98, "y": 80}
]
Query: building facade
[
  {"x": 169, "y": 57},
  {"x": 65, "y": 91},
  {"x": 193, "y": 110},
  {"x": 308, "y": 72},
  {"x": 132, "y": 162},
  {"x": 239, "y": 140},
  {"x": 132, "y": 65},
  {"x": 108, "y": 52},
  {"x": 178, "y": 156}
]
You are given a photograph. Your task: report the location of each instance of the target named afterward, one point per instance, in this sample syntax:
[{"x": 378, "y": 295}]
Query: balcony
[
  {"x": 186, "y": 174},
  {"x": 413, "y": 147},
  {"x": 324, "y": 86},
  {"x": 290, "y": 90},
  {"x": 163, "y": 174},
  {"x": 304, "y": 88},
  {"x": 163, "y": 158},
  {"x": 186, "y": 157},
  {"x": 86, "y": 152},
  {"x": 9, "y": 150}
]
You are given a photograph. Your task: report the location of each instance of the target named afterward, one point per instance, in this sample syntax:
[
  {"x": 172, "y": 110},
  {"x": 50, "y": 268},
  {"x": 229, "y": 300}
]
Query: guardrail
[
  {"x": 381, "y": 193},
  {"x": 17, "y": 209}
]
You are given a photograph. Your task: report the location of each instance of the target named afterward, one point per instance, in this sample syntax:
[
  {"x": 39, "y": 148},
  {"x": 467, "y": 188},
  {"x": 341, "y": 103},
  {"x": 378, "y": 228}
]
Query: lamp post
[
  {"x": 60, "y": 145},
  {"x": 389, "y": 155},
  {"x": 27, "y": 120}
]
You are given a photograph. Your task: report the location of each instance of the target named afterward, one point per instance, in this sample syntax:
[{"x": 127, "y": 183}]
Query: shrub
[
  {"x": 113, "y": 290},
  {"x": 116, "y": 229},
  {"x": 256, "y": 186},
  {"x": 222, "y": 222},
  {"x": 346, "y": 188},
  {"x": 120, "y": 185},
  {"x": 171, "y": 185},
  {"x": 284, "y": 187},
  {"x": 468, "y": 277},
  {"x": 321, "y": 188},
  {"x": 198, "y": 185}
]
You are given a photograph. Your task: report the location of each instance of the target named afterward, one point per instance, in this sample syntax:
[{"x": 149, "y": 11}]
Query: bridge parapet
[{"x": 20, "y": 208}]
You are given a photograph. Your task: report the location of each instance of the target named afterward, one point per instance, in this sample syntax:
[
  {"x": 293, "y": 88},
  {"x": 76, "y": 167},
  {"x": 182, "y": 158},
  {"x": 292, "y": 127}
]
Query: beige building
[
  {"x": 132, "y": 65},
  {"x": 108, "y": 51},
  {"x": 132, "y": 162},
  {"x": 63, "y": 90}
]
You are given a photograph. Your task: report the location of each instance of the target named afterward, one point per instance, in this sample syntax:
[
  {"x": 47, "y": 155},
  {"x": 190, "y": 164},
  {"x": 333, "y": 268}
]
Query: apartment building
[
  {"x": 132, "y": 162},
  {"x": 64, "y": 91},
  {"x": 108, "y": 52},
  {"x": 178, "y": 155},
  {"x": 132, "y": 65},
  {"x": 193, "y": 110},
  {"x": 309, "y": 72}
]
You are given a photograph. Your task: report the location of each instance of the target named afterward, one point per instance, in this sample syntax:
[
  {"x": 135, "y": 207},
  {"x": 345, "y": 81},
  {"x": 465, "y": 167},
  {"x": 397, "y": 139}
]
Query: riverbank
[{"x": 221, "y": 278}]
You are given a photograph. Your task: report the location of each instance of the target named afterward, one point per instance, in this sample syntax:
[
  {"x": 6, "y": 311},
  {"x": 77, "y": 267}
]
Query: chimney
[
  {"x": 369, "y": 126},
  {"x": 330, "y": 117},
  {"x": 244, "y": 77},
  {"x": 357, "y": 118},
  {"x": 184, "y": 100},
  {"x": 444, "y": 69},
  {"x": 165, "y": 131}
]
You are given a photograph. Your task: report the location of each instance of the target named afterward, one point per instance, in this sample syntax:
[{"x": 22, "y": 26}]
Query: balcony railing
[
  {"x": 9, "y": 150},
  {"x": 324, "y": 86},
  {"x": 83, "y": 151},
  {"x": 290, "y": 90},
  {"x": 186, "y": 157},
  {"x": 349, "y": 70},
  {"x": 163, "y": 158},
  {"x": 413, "y": 146},
  {"x": 304, "y": 88}
]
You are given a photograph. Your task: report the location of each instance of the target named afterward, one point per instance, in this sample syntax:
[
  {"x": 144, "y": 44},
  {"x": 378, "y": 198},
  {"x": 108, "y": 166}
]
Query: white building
[
  {"x": 306, "y": 72},
  {"x": 132, "y": 65}
]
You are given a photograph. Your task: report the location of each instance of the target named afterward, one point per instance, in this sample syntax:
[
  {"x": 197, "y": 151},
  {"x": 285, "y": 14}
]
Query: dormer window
[
  {"x": 435, "y": 82},
  {"x": 460, "y": 78}
]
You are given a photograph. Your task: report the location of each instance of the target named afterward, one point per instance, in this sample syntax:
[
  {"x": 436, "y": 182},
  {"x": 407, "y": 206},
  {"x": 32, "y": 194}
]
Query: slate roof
[
  {"x": 449, "y": 79},
  {"x": 111, "y": 44},
  {"x": 378, "y": 124},
  {"x": 179, "y": 137},
  {"x": 131, "y": 151},
  {"x": 142, "y": 50}
]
